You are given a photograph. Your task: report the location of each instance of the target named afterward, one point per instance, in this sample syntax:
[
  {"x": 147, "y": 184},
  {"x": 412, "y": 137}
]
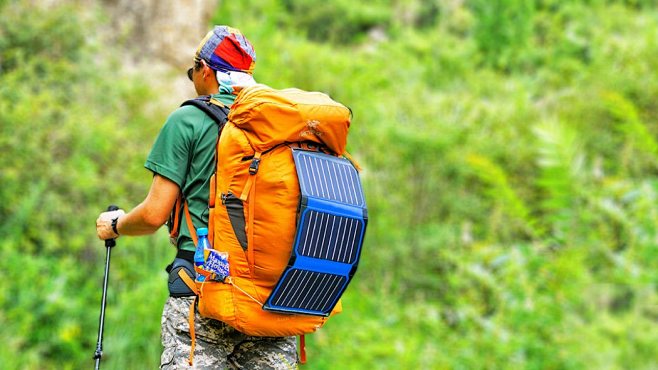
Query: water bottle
[{"x": 202, "y": 244}]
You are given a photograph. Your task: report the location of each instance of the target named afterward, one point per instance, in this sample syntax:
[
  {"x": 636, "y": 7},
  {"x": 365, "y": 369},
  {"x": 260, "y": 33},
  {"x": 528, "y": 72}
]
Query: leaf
[{"x": 500, "y": 191}]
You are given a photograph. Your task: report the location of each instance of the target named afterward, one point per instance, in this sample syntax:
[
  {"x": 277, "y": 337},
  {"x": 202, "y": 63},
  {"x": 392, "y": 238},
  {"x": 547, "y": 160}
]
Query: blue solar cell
[
  {"x": 330, "y": 231},
  {"x": 308, "y": 291},
  {"x": 329, "y": 236},
  {"x": 327, "y": 177}
]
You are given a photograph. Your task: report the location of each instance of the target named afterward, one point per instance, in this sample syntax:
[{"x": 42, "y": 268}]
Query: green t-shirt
[{"x": 184, "y": 153}]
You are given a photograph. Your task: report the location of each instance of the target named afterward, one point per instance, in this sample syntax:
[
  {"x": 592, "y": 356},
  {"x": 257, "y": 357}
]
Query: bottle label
[{"x": 217, "y": 263}]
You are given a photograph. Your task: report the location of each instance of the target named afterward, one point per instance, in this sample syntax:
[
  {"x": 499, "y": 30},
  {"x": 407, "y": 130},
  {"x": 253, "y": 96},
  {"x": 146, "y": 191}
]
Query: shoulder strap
[
  {"x": 212, "y": 107},
  {"x": 219, "y": 113}
]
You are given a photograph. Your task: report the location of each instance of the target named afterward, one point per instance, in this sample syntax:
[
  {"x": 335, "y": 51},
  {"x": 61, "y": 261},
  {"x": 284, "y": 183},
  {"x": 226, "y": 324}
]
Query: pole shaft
[{"x": 101, "y": 325}]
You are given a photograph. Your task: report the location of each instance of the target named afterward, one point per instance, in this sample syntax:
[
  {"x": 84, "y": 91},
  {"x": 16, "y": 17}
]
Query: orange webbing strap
[
  {"x": 188, "y": 281},
  {"x": 192, "y": 333},
  {"x": 302, "y": 349},
  {"x": 190, "y": 225},
  {"x": 253, "y": 170},
  {"x": 211, "y": 207}
]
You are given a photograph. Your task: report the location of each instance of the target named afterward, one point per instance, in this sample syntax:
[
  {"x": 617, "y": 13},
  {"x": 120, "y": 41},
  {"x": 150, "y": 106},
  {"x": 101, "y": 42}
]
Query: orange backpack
[{"x": 255, "y": 206}]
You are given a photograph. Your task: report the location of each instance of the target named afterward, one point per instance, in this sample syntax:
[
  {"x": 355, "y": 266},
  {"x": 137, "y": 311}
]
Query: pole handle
[{"x": 111, "y": 242}]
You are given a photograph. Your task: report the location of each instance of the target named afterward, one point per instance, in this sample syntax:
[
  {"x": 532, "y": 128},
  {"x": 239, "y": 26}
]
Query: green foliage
[
  {"x": 640, "y": 147},
  {"x": 561, "y": 168},
  {"x": 512, "y": 215},
  {"x": 55, "y": 38},
  {"x": 500, "y": 191},
  {"x": 503, "y": 30},
  {"x": 341, "y": 21},
  {"x": 61, "y": 122}
]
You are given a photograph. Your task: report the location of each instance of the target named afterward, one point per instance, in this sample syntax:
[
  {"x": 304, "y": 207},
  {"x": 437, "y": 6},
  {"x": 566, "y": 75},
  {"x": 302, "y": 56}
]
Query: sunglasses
[{"x": 196, "y": 66}]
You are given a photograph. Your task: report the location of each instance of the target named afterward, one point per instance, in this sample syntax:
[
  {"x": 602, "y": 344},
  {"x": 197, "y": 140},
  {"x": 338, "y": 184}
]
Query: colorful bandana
[
  {"x": 231, "y": 83},
  {"x": 226, "y": 49}
]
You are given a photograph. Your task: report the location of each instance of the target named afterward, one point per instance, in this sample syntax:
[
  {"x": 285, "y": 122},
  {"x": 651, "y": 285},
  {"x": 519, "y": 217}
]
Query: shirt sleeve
[{"x": 170, "y": 154}]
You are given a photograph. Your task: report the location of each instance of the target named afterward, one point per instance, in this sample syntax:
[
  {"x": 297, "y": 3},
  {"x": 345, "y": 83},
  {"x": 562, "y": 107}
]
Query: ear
[{"x": 208, "y": 72}]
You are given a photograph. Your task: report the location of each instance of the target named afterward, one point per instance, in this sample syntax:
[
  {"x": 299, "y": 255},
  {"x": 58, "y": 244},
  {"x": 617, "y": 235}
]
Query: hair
[{"x": 197, "y": 64}]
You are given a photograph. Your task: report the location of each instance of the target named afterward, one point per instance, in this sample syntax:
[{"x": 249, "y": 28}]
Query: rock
[{"x": 162, "y": 29}]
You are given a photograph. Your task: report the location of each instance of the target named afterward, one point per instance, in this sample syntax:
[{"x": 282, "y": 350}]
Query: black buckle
[{"x": 253, "y": 167}]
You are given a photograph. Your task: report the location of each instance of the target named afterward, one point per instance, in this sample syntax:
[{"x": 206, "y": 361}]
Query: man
[{"x": 182, "y": 160}]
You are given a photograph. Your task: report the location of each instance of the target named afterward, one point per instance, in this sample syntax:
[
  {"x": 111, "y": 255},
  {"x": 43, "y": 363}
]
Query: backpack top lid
[{"x": 271, "y": 117}]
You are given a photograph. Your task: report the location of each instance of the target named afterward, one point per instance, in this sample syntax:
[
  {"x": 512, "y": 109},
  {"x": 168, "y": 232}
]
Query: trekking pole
[{"x": 109, "y": 243}]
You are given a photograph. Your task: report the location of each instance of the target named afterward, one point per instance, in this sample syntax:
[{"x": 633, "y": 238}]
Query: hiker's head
[
  {"x": 203, "y": 77},
  {"x": 224, "y": 50}
]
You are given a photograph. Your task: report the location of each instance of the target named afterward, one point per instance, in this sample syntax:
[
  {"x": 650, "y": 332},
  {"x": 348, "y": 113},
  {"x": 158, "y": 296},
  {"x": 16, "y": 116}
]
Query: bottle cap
[{"x": 202, "y": 231}]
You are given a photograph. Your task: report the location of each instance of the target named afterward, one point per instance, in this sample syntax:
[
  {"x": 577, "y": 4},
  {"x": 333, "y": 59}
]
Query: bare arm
[{"x": 147, "y": 217}]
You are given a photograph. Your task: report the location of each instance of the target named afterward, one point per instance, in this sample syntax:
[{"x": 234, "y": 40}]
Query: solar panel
[{"x": 330, "y": 230}]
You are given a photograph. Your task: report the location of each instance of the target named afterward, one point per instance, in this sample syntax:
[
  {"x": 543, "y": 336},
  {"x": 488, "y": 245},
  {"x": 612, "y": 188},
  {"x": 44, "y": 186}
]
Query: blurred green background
[{"x": 510, "y": 163}]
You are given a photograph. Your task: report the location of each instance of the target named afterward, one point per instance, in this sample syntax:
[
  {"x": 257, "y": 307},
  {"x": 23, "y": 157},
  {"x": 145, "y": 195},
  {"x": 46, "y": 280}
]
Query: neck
[{"x": 208, "y": 89}]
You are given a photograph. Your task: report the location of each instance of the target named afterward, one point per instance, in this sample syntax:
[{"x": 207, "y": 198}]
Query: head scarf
[{"x": 225, "y": 49}]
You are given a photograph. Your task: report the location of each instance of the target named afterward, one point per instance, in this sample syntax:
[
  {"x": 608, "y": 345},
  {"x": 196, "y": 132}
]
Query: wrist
[{"x": 115, "y": 225}]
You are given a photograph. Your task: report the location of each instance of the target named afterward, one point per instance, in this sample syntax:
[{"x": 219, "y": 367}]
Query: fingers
[{"x": 104, "y": 230}]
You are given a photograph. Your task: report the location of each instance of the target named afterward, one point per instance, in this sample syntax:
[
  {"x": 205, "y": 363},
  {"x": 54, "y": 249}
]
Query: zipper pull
[{"x": 224, "y": 197}]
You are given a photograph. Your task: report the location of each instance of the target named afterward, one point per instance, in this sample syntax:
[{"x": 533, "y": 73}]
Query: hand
[{"x": 104, "y": 224}]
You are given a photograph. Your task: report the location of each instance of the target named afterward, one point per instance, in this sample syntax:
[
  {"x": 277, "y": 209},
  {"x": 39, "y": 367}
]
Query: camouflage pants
[{"x": 218, "y": 346}]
